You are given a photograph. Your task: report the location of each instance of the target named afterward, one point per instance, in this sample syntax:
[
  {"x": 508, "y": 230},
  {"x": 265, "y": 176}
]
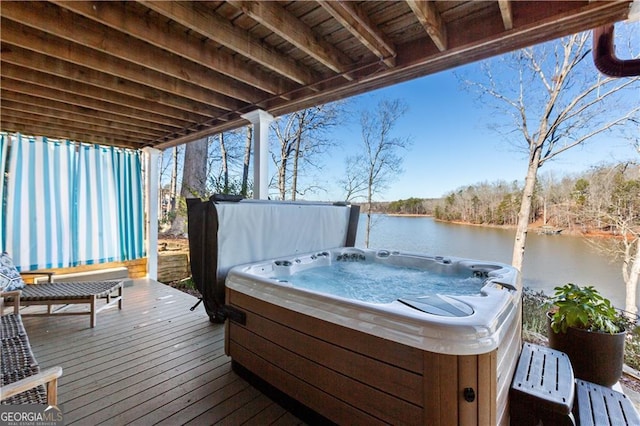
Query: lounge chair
[{"x": 52, "y": 294}]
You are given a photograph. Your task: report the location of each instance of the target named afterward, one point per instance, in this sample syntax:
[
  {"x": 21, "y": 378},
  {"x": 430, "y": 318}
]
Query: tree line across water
[{"x": 605, "y": 198}]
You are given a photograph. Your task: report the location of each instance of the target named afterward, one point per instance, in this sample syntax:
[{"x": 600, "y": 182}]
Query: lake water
[{"x": 550, "y": 260}]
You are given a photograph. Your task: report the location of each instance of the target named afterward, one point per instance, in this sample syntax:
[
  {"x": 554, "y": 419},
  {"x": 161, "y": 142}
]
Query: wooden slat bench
[
  {"x": 602, "y": 406},
  {"x": 72, "y": 293},
  {"x": 544, "y": 390},
  {"x": 21, "y": 380}
]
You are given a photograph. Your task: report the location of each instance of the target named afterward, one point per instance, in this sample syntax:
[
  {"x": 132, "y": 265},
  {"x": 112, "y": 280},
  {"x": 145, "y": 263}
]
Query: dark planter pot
[{"x": 595, "y": 357}]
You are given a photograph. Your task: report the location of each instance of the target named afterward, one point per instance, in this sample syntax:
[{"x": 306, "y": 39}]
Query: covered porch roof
[{"x": 160, "y": 73}]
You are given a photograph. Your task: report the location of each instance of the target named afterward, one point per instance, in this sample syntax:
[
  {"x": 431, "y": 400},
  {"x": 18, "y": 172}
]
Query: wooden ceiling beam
[
  {"x": 25, "y": 103},
  {"x": 41, "y": 69},
  {"x": 506, "y": 13},
  {"x": 431, "y": 21},
  {"x": 46, "y": 92},
  {"x": 281, "y": 22},
  {"x": 118, "y": 17},
  {"x": 351, "y": 16},
  {"x": 37, "y": 129},
  {"x": 31, "y": 39},
  {"x": 220, "y": 30},
  {"x": 40, "y": 115},
  {"x": 415, "y": 60},
  {"x": 77, "y": 29}
]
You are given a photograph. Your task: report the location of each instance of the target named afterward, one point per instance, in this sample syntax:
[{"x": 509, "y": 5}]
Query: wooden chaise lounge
[
  {"x": 21, "y": 380},
  {"x": 72, "y": 293}
]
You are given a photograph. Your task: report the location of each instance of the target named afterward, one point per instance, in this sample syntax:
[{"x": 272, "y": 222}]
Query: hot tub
[{"x": 410, "y": 354}]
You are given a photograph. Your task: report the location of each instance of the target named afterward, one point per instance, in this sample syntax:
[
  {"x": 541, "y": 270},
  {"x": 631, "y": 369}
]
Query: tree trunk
[
  {"x": 247, "y": 160},
  {"x": 282, "y": 175},
  {"x": 525, "y": 210},
  {"x": 368, "y": 227},
  {"x": 632, "y": 284},
  {"x": 194, "y": 174},
  {"x": 369, "y": 199},
  {"x": 294, "y": 172},
  {"x": 173, "y": 195},
  {"x": 225, "y": 168}
]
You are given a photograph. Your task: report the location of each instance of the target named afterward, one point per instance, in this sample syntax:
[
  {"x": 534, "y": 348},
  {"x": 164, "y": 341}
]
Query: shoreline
[{"x": 532, "y": 227}]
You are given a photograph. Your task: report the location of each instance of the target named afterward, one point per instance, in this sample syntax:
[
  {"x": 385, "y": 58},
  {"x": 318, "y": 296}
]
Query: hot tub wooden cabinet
[{"x": 353, "y": 377}]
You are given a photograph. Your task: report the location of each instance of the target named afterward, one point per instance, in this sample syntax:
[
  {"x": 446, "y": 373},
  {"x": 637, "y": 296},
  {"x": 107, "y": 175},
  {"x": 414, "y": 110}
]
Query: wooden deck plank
[
  {"x": 153, "y": 362},
  {"x": 269, "y": 414}
]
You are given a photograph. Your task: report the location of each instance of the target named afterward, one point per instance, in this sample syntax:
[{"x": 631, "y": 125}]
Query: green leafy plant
[{"x": 585, "y": 308}]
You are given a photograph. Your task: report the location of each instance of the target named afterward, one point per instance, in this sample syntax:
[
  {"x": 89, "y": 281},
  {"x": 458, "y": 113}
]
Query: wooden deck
[{"x": 154, "y": 362}]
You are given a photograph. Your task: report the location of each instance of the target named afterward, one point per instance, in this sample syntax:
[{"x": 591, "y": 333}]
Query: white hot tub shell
[{"x": 437, "y": 359}]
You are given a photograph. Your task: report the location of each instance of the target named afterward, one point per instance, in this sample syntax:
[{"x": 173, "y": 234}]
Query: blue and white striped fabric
[
  {"x": 4, "y": 145},
  {"x": 95, "y": 224},
  {"x": 39, "y": 197},
  {"x": 130, "y": 196},
  {"x": 70, "y": 204},
  {"x": 109, "y": 215}
]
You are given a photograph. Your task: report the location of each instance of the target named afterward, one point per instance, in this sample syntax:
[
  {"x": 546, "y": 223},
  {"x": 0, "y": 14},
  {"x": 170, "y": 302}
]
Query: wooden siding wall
[{"x": 356, "y": 378}]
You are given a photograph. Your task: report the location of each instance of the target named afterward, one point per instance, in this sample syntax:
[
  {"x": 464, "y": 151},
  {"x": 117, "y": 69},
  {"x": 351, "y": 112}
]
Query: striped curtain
[
  {"x": 70, "y": 204},
  {"x": 39, "y": 200},
  {"x": 4, "y": 145},
  {"x": 129, "y": 196},
  {"x": 109, "y": 215}
]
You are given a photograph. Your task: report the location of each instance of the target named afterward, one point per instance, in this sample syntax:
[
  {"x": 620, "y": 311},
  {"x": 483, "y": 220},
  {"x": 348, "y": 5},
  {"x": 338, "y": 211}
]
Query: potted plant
[{"x": 584, "y": 325}]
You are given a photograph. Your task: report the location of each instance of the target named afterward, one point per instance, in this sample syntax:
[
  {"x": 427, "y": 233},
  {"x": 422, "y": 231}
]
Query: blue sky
[{"x": 453, "y": 144}]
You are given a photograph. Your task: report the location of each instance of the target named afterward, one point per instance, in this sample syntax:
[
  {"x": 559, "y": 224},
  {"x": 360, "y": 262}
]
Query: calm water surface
[{"x": 550, "y": 260}]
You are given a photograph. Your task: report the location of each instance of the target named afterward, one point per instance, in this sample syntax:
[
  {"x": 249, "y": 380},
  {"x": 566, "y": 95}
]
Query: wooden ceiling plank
[
  {"x": 351, "y": 16},
  {"x": 506, "y": 13},
  {"x": 48, "y": 110},
  {"x": 42, "y": 129},
  {"x": 281, "y": 22},
  {"x": 37, "y": 68},
  {"x": 35, "y": 117},
  {"x": 52, "y": 20},
  {"x": 47, "y": 92},
  {"x": 431, "y": 20},
  {"x": 32, "y": 39},
  {"x": 116, "y": 16},
  {"x": 221, "y": 31},
  {"x": 417, "y": 60}
]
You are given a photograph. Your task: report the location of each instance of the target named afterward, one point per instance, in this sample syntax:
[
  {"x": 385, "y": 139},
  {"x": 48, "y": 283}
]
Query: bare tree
[
  {"x": 224, "y": 163},
  {"x": 369, "y": 172},
  {"x": 168, "y": 191},
  {"x": 246, "y": 160},
  {"x": 302, "y": 137},
  {"x": 610, "y": 202},
  {"x": 194, "y": 177},
  {"x": 554, "y": 100}
]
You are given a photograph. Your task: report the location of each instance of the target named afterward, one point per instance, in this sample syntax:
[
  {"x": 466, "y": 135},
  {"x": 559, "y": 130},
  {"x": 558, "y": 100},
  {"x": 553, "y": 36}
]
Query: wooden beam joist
[
  {"x": 360, "y": 26},
  {"x": 47, "y": 94},
  {"x": 48, "y": 110},
  {"x": 506, "y": 13},
  {"x": 431, "y": 21},
  {"x": 216, "y": 28},
  {"x": 44, "y": 70},
  {"x": 74, "y": 28},
  {"x": 46, "y": 44},
  {"x": 78, "y": 136},
  {"x": 58, "y": 122},
  {"x": 281, "y": 22},
  {"x": 118, "y": 17}
]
